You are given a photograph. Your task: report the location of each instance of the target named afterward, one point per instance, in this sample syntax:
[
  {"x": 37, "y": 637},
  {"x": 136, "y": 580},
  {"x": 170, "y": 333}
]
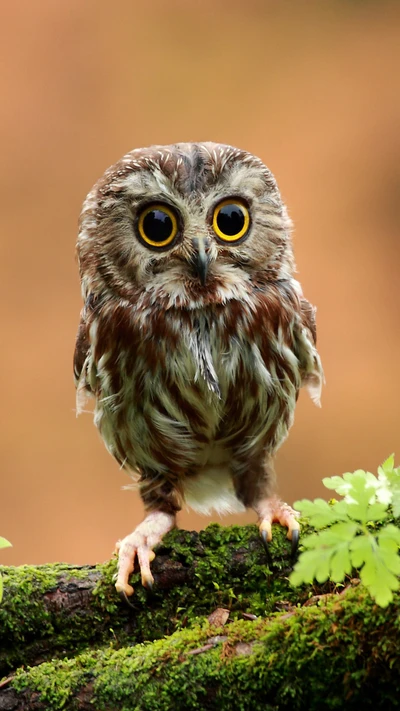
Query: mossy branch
[
  {"x": 53, "y": 610},
  {"x": 342, "y": 653},
  {"x": 307, "y": 646}
]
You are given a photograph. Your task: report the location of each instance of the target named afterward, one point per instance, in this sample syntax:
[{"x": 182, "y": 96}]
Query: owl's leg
[
  {"x": 140, "y": 543},
  {"x": 161, "y": 500},
  {"x": 254, "y": 481},
  {"x": 272, "y": 509}
]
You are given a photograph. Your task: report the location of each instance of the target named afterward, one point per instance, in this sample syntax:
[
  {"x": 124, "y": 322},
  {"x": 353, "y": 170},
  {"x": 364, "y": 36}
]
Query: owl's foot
[
  {"x": 140, "y": 543},
  {"x": 271, "y": 510}
]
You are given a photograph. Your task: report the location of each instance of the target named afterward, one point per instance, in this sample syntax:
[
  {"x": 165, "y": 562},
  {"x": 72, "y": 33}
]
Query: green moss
[
  {"x": 21, "y": 584},
  {"x": 30, "y": 623},
  {"x": 342, "y": 654}
]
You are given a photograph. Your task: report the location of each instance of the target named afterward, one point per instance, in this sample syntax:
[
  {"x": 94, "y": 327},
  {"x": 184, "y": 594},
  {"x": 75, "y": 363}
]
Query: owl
[{"x": 194, "y": 337}]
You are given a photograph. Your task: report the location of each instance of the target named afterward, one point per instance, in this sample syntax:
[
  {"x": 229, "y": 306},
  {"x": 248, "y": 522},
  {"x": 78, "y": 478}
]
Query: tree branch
[{"x": 287, "y": 648}]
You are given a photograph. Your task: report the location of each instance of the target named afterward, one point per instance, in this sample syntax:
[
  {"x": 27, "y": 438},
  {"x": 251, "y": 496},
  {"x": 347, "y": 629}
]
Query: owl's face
[{"x": 190, "y": 223}]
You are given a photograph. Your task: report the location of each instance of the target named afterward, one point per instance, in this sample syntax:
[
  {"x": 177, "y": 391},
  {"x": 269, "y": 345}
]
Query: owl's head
[{"x": 189, "y": 224}]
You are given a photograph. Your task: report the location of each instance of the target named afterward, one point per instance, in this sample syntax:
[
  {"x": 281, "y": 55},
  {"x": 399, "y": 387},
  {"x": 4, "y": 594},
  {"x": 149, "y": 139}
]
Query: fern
[{"x": 347, "y": 536}]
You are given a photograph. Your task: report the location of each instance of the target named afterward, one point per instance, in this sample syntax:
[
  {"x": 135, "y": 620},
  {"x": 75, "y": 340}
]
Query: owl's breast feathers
[{"x": 181, "y": 389}]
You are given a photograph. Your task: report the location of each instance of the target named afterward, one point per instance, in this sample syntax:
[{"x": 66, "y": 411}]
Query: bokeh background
[{"x": 310, "y": 87}]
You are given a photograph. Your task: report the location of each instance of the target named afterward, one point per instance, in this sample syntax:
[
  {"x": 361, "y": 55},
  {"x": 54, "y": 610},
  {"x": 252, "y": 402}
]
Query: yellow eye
[
  {"x": 157, "y": 225},
  {"x": 231, "y": 220}
]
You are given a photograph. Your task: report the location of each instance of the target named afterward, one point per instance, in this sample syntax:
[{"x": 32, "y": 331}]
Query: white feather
[{"x": 212, "y": 490}]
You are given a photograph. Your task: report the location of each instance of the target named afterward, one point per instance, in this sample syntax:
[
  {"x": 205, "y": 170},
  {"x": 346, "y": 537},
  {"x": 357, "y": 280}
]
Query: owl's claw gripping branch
[
  {"x": 140, "y": 543},
  {"x": 271, "y": 510}
]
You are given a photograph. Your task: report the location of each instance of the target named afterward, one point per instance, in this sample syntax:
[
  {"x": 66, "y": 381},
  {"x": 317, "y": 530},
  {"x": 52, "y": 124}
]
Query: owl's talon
[
  {"x": 125, "y": 599},
  {"x": 147, "y": 580},
  {"x": 266, "y": 530},
  {"x": 124, "y": 587},
  {"x": 295, "y": 542},
  {"x": 264, "y": 538}
]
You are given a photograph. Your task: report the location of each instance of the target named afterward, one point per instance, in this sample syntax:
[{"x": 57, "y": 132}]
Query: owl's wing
[
  {"x": 82, "y": 347},
  {"x": 83, "y": 375},
  {"x": 310, "y": 362},
  {"x": 308, "y": 318}
]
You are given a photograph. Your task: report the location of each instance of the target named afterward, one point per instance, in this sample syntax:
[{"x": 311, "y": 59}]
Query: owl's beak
[{"x": 200, "y": 258}]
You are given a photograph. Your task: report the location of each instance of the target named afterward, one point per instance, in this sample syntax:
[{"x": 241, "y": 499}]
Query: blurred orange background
[{"x": 310, "y": 87}]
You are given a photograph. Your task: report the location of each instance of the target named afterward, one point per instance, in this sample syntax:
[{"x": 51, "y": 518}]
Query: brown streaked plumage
[{"x": 195, "y": 337}]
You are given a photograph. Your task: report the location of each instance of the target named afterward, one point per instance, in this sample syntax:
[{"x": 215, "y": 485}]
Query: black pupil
[
  {"x": 157, "y": 226},
  {"x": 230, "y": 220}
]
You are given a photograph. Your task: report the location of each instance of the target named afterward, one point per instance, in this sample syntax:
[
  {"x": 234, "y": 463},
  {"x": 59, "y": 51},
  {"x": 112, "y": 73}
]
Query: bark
[{"x": 223, "y": 630}]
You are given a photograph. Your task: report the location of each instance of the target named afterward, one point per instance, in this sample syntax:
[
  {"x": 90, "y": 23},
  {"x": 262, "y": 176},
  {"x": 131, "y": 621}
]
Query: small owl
[{"x": 194, "y": 337}]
